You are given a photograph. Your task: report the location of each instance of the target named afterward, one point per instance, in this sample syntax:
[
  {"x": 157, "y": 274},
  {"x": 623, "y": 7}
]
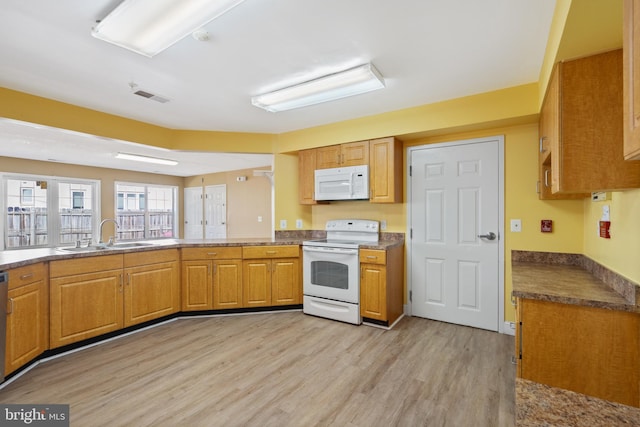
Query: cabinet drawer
[
  {"x": 150, "y": 257},
  {"x": 212, "y": 252},
  {"x": 274, "y": 251},
  {"x": 71, "y": 267},
  {"x": 25, "y": 275},
  {"x": 373, "y": 256}
]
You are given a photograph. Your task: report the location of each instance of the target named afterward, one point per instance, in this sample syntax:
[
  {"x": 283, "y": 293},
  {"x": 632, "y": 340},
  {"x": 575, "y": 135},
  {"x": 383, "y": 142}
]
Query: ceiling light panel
[
  {"x": 353, "y": 81},
  {"x": 148, "y": 27},
  {"x": 146, "y": 159}
]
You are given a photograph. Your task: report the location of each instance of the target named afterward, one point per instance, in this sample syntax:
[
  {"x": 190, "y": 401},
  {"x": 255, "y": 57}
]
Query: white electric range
[{"x": 331, "y": 269}]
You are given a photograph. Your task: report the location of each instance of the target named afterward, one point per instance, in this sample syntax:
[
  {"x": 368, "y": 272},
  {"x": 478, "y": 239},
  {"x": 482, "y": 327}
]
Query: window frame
[
  {"x": 52, "y": 206},
  {"x": 142, "y": 200}
]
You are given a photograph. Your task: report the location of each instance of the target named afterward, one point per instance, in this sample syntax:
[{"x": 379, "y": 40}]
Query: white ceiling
[{"x": 427, "y": 50}]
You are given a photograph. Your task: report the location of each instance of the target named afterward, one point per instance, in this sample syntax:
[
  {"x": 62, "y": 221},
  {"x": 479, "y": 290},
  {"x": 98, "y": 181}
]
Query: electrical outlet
[
  {"x": 298, "y": 223},
  {"x": 283, "y": 224},
  {"x": 383, "y": 225},
  {"x": 516, "y": 225}
]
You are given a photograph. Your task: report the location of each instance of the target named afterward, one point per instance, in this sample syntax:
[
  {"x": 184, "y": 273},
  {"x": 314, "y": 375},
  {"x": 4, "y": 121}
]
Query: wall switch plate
[
  {"x": 383, "y": 225},
  {"x": 283, "y": 224},
  {"x": 516, "y": 225},
  {"x": 298, "y": 223}
]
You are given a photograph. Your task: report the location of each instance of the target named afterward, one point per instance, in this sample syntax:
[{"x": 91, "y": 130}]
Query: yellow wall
[{"x": 620, "y": 253}]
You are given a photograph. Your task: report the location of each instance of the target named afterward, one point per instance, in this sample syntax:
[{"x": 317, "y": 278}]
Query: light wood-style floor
[{"x": 282, "y": 369}]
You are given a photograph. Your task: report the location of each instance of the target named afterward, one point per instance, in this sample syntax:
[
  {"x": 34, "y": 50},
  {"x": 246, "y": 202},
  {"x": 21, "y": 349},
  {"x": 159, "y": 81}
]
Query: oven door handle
[{"x": 330, "y": 250}]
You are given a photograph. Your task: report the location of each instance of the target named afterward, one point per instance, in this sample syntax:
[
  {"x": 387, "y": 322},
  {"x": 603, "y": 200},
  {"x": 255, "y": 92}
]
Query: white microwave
[{"x": 348, "y": 183}]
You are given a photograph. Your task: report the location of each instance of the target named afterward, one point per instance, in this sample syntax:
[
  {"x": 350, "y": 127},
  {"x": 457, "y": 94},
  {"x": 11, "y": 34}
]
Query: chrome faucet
[{"x": 112, "y": 239}]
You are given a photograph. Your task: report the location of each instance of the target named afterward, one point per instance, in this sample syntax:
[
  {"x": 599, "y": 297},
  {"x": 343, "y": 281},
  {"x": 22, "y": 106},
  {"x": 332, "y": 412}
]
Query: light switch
[
  {"x": 283, "y": 224},
  {"x": 516, "y": 225},
  {"x": 298, "y": 223}
]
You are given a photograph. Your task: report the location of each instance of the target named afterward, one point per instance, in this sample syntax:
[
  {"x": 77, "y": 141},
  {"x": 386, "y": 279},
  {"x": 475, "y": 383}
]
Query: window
[
  {"x": 146, "y": 211},
  {"x": 48, "y": 212}
]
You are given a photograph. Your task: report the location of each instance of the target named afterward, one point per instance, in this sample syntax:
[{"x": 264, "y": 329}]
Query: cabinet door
[
  {"x": 588, "y": 350},
  {"x": 151, "y": 291},
  {"x": 306, "y": 177},
  {"x": 385, "y": 175},
  {"x": 373, "y": 300},
  {"x": 227, "y": 284},
  {"x": 328, "y": 157},
  {"x": 256, "y": 277},
  {"x": 285, "y": 282},
  {"x": 27, "y": 324},
  {"x": 354, "y": 153},
  {"x": 197, "y": 292},
  {"x": 84, "y": 306},
  {"x": 631, "y": 79}
]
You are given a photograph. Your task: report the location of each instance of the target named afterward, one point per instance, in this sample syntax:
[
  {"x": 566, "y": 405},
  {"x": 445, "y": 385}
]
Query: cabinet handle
[
  {"x": 271, "y": 252},
  {"x": 212, "y": 253},
  {"x": 128, "y": 278},
  {"x": 546, "y": 177},
  {"x": 541, "y": 140},
  {"x": 26, "y": 276},
  {"x": 10, "y": 310},
  {"x": 372, "y": 257},
  {"x": 120, "y": 282}
]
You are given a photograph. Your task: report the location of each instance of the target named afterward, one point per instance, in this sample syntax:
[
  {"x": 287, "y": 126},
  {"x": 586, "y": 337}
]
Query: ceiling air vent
[{"x": 148, "y": 95}]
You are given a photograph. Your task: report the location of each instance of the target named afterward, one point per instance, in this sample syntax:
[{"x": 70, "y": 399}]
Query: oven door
[{"x": 331, "y": 273}]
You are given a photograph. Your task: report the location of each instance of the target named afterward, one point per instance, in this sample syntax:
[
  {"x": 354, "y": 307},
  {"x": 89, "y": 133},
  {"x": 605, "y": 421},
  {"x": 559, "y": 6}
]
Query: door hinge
[
  {"x": 411, "y": 233},
  {"x": 410, "y": 170},
  {"x": 410, "y": 296}
]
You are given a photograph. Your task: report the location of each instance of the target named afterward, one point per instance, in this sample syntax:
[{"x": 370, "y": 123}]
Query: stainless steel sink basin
[
  {"x": 102, "y": 247},
  {"x": 84, "y": 249}
]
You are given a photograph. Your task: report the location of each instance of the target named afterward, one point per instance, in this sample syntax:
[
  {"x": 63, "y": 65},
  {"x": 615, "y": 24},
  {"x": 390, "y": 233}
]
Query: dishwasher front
[{"x": 4, "y": 294}]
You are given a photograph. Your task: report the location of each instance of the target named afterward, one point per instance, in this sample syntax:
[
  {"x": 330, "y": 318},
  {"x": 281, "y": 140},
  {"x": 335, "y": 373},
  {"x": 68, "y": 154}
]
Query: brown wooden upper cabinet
[
  {"x": 581, "y": 137},
  {"x": 631, "y": 61},
  {"x": 349, "y": 154},
  {"x": 384, "y": 157}
]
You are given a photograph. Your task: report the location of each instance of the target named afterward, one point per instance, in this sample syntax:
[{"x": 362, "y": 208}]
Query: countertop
[
  {"x": 569, "y": 282},
  {"x": 20, "y": 257},
  {"x": 541, "y": 405}
]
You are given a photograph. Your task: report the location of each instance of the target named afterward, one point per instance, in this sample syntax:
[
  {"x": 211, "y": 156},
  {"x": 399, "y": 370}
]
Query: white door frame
[{"x": 410, "y": 150}]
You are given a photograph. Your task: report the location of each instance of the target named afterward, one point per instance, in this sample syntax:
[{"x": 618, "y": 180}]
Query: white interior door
[
  {"x": 215, "y": 211},
  {"x": 455, "y": 220},
  {"x": 193, "y": 213}
]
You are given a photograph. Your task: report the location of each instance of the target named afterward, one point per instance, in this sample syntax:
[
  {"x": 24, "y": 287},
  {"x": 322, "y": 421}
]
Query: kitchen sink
[
  {"x": 83, "y": 249},
  {"x": 102, "y": 247}
]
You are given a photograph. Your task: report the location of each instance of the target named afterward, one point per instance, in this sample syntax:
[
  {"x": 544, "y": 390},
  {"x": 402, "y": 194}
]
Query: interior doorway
[{"x": 455, "y": 218}]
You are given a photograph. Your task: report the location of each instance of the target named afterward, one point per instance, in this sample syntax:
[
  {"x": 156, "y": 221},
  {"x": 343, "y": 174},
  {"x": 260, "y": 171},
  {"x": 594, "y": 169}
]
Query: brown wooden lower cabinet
[
  {"x": 91, "y": 297},
  {"x": 271, "y": 276},
  {"x": 381, "y": 284},
  {"x": 152, "y": 285},
  {"x": 27, "y": 332},
  {"x": 593, "y": 351}
]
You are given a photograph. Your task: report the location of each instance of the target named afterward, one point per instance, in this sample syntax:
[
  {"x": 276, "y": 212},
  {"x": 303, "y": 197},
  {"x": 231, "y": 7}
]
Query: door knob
[{"x": 489, "y": 236}]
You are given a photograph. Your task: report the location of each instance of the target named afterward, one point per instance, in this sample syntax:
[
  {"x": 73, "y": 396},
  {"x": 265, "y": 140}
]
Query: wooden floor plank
[{"x": 282, "y": 369}]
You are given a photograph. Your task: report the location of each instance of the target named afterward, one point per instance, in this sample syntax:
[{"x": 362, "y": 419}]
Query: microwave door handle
[{"x": 351, "y": 184}]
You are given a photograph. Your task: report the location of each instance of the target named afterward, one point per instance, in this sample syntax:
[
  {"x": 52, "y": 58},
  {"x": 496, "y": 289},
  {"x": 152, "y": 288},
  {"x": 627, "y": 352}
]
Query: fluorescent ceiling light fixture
[
  {"x": 148, "y": 27},
  {"x": 353, "y": 81},
  {"x": 146, "y": 159}
]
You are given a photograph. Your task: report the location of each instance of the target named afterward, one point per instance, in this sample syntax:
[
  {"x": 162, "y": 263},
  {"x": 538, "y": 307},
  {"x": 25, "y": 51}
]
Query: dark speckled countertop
[
  {"x": 571, "y": 279},
  {"x": 20, "y": 257},
  {"x": 539, "y": 405}
]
